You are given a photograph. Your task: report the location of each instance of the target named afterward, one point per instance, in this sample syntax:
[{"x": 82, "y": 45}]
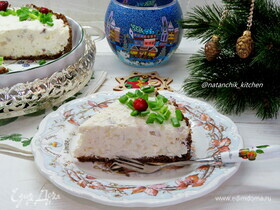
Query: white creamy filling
[
  {"x": 113, "y": 132},
  {"x": 31, "y": 38}
]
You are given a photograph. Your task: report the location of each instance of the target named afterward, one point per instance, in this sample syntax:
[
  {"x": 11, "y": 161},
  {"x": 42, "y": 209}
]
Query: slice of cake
[
  {"x": 33, "y": 33},
  {"x": 142, "y": 126}
]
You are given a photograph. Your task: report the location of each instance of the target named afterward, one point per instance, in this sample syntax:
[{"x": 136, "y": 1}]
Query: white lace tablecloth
[{"x": 255, "y": 186}]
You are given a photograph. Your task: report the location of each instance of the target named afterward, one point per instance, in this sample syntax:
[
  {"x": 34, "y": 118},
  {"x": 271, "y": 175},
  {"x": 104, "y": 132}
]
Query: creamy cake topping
[{"x": 31, "y": 37}]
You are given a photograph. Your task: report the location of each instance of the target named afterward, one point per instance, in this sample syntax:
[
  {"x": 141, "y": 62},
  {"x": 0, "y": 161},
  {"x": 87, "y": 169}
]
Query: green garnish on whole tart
[
  {"x": 154, "y": 111},
  {"x": 42, "y": 62},
  {"x": 1, "y": 60},
  {"x": 44, "y": 15}
]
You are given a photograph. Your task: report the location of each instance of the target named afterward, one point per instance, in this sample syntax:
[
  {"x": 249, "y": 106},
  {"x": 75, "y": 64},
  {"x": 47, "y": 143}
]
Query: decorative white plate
[{"x": 57, "y": 135}]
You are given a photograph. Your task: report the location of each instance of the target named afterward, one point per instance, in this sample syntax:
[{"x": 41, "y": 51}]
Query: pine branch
[
  {"x": 262, "y": 67},
  {"x": 267, "y": 47},
  {"x": 203, "y": 22},
  {"x": 226, "y": 70},
  {"x": 269, "y": 108},
  {"x": 266, "y": 12}
]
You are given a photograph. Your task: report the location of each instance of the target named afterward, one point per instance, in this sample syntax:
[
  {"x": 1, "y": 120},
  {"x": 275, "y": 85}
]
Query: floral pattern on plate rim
[{"x": 217, "y": 143}]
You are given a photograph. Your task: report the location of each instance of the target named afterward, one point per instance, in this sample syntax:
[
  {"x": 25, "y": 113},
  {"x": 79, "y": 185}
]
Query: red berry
[
  {"x": 140, "y": 104},
  {"x": 4, "y": 5},
  {"x": 44, "y": 10}
]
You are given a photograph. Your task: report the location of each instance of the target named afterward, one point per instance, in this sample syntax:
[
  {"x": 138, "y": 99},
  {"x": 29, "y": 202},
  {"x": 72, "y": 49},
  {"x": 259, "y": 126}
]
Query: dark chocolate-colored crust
[{"x": 67, "y": 48}]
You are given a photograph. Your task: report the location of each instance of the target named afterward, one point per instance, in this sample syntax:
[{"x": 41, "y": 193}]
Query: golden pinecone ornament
[
  {"x": 244, "y": 45},
  {"x": 212, "y": 49}
]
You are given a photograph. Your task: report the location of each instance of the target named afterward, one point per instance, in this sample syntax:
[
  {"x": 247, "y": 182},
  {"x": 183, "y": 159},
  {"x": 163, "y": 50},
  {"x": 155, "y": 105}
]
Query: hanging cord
[
  {"x": 224, "y": 15},
  {"x": 250, "y": 18}
]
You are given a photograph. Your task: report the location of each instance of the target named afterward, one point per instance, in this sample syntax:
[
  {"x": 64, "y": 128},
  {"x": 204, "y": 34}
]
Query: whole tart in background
[{"x": 33, "y": 32}]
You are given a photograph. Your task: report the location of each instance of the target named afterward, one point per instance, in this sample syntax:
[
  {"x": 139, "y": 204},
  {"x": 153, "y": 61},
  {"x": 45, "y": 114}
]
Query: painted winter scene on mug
[{"x": 143, "y": 37}]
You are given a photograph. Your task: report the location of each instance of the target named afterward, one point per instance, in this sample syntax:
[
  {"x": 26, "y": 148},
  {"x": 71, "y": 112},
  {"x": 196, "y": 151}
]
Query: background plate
[{"x": 28, "y": 70}]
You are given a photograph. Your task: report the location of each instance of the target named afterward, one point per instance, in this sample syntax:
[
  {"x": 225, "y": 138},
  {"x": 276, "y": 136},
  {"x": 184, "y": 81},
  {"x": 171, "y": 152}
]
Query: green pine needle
[{"x": 262, "y": 67}]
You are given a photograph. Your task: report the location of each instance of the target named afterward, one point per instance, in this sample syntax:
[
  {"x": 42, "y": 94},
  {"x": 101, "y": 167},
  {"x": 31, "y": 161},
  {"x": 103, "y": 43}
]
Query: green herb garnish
[
  {"x": 152, "y": 104},
  {"x": 42, "y": 62},
  {"x": 164, "y": 99},
  {"x": 160, "y": 102},
  {"x": 179, "y": 114},
  {"x": 26, "y": 13},
  {"x": 8, "y": 12},
  {"x": 175, "y": 122},
  {"x": 138, "y": 93},
  {"x": 151, "y": 118},
  {"x": 145, "y": 96},
  {"x": 1, "y": 60},
  {"x": 157, "y": 110},
  {"x": 130, "y": 94},
  {"x": 23, "y": 13},
  {"x": 144, "y": 113},
  {"x": 46, "y": 18},
  {"x": 163, "y": 109},
  {"x": 148, "y": 88},
  {"x": 134, "y": 113},
  {"x": 167, "y": 114},
  {"x": 160, "y": 119},
  {"x": 130, "y": 104},
  {"x": 123, "y": 99}
]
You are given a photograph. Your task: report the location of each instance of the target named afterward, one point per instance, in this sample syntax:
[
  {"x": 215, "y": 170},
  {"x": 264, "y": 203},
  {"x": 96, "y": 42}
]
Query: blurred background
[{"x": 92, "y": 12}]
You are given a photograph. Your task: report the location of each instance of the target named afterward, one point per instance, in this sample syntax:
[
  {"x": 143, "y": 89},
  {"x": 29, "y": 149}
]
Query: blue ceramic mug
[{"x": 143, "y": 33}]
